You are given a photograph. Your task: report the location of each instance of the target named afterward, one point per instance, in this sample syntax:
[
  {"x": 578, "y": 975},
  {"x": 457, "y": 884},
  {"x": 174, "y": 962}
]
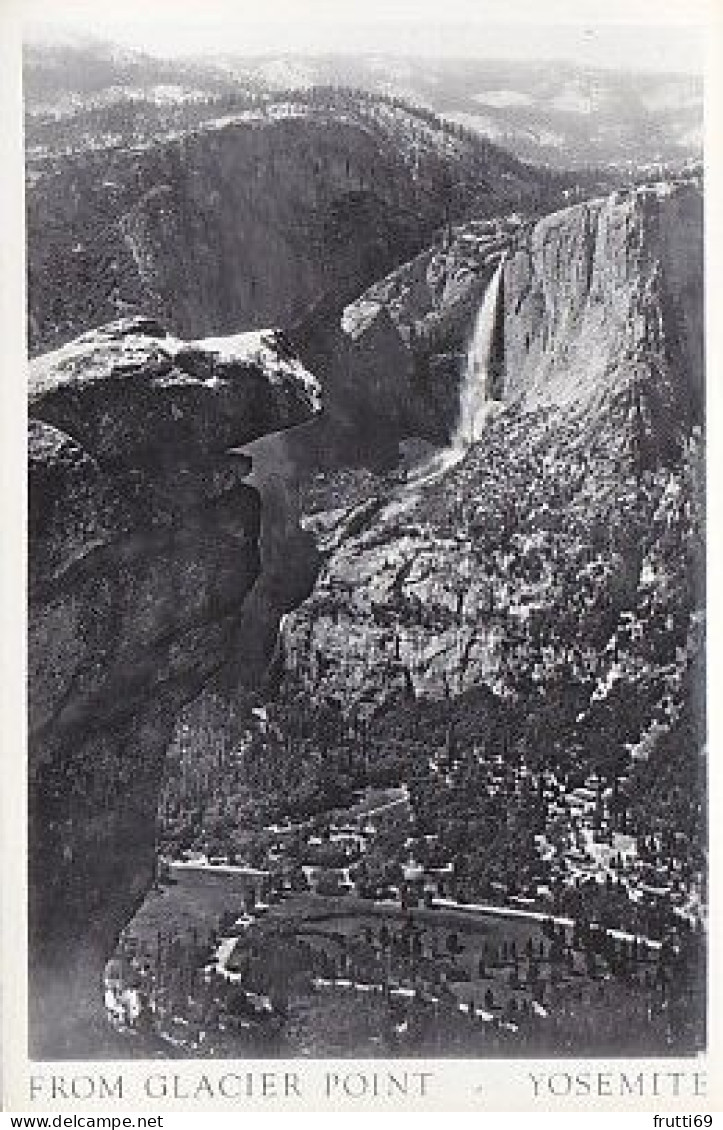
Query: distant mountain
[
  {"x": 78, "y": 68},
  {"x": 81, "y": 93},
  {"x": 551, "y": 112}
]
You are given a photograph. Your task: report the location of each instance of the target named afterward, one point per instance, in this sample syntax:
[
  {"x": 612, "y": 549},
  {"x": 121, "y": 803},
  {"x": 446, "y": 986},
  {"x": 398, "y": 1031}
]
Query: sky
[{"x": 657, "y": 35}]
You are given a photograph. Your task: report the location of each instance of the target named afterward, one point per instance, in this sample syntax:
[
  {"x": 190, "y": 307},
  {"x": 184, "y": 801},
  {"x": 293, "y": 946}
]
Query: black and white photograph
[{"x": 366, "y": 548}]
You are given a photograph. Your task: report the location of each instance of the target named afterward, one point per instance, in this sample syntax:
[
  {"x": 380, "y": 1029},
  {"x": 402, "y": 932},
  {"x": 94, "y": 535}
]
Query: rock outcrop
[{"x": 144, "y": 541}]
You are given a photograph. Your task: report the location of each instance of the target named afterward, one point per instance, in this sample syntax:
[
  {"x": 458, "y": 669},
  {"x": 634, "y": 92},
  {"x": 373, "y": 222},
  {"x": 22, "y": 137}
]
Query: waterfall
[
  {"x": 474, "y": 401},
  {"x": 474, "y": 406}
]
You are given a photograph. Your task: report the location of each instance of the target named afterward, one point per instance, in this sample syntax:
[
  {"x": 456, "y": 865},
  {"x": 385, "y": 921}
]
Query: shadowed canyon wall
[{"x": 249, "y": 221}]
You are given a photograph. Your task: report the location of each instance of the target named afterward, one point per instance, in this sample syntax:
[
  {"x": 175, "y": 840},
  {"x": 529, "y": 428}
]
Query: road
[
  {"x": 216, "y": 868},
  {"x": 493, "y": 910}
]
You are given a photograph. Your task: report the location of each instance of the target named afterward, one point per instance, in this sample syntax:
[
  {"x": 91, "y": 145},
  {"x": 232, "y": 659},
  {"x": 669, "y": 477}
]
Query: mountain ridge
[{"x": 321, "y": 199}]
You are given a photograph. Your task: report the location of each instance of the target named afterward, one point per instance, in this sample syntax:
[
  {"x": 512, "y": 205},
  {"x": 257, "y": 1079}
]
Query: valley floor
[{"x": 311, "y": 975}]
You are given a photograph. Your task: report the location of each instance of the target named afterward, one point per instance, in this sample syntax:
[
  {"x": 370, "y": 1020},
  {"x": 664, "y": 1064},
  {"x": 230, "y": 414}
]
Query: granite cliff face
[
  {"x": 397, "y": 356},
  {"x": 558, "y": 562},
  {"x": 143, "y": 543},
  {"x": 605, "y": 290},
  {"x": 555, "y": 565}
]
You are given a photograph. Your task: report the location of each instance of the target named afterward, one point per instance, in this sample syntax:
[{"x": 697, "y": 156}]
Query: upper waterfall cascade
[{"x": 474, "y": 396}]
